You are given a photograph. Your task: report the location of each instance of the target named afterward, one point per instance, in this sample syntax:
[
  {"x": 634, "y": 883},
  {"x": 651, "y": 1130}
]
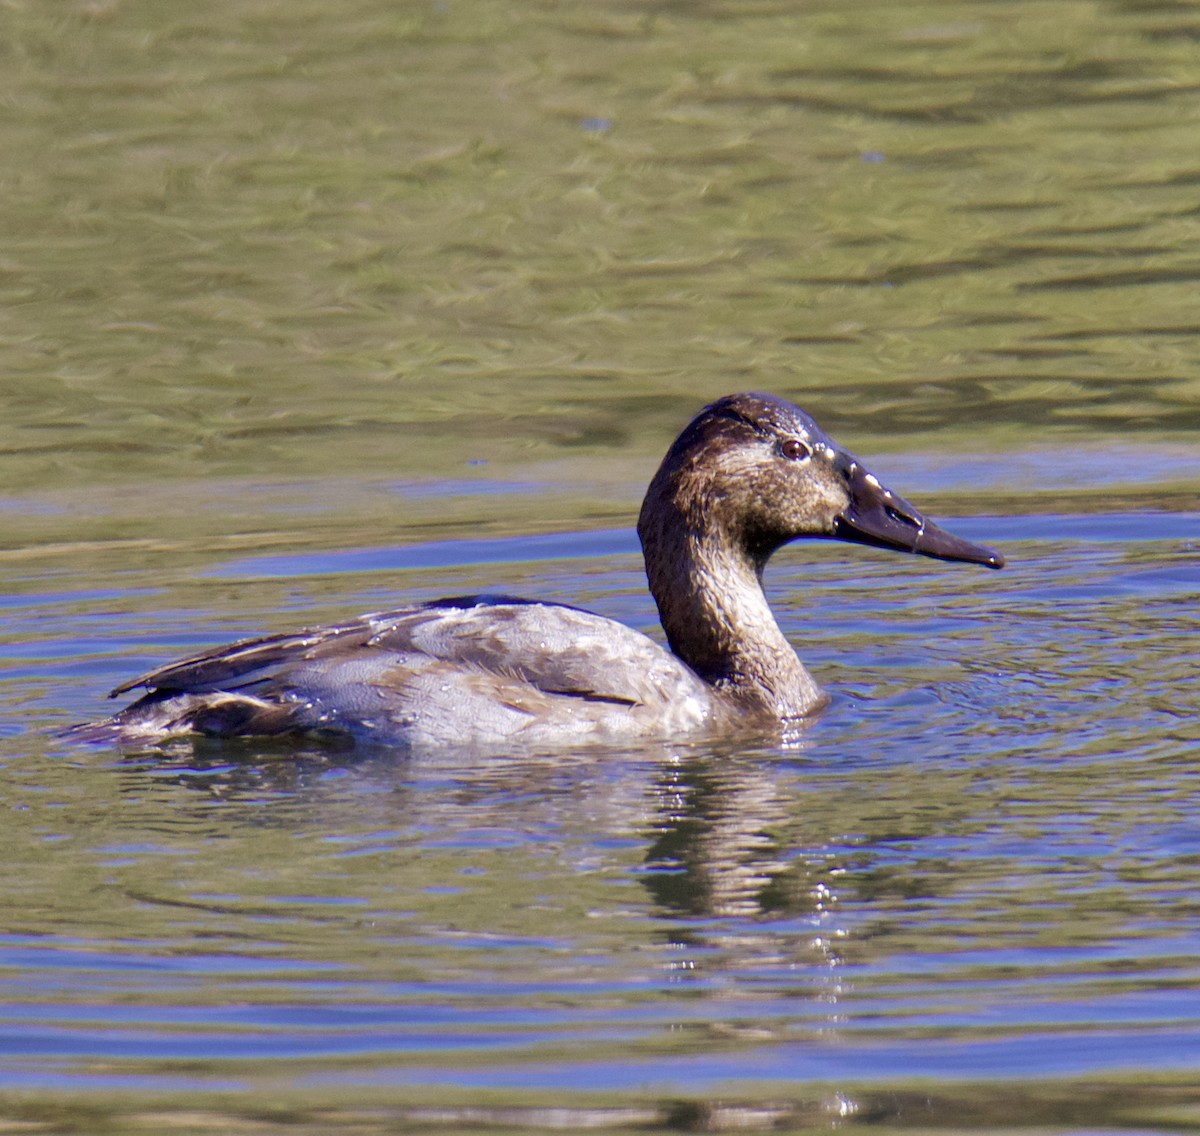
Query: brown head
[{"x": 755, "y": 471}]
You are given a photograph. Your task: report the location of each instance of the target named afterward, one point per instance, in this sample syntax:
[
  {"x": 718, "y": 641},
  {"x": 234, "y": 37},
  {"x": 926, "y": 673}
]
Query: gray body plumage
[{"x": 473, "y": 670}]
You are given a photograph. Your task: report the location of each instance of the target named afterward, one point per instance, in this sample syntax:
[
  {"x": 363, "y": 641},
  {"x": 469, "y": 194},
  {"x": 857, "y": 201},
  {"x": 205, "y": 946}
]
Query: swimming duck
[{"x": 750, "y": 473}]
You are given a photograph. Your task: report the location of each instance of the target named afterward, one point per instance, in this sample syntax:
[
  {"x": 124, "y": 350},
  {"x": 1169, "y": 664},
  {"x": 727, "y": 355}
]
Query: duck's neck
[{"x": 710, "y": 599}]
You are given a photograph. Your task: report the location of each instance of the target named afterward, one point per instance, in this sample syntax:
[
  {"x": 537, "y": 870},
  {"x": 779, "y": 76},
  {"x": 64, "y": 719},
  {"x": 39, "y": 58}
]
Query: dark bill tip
[{"x": 937, "y": 542}]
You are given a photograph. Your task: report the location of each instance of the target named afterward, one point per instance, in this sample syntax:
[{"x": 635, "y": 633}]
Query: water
[
  {"x": 973, "y": 880},
  {"x": 309, "y": 311}
]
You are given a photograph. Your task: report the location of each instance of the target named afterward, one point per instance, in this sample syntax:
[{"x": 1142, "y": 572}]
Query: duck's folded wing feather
[
  {"x": 551, "y": 648},
  {"x": 245, "y": 662}
]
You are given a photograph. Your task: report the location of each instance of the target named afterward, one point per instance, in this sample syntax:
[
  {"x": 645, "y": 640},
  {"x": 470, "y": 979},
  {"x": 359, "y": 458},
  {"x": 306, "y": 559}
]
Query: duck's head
[{"x": 762, "y": 472}]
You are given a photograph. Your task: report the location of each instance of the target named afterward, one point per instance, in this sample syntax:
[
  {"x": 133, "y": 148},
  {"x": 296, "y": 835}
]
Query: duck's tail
[{"x": 161, "y": 715}]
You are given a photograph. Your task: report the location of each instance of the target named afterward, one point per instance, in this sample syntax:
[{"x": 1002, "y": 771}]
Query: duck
[{"x": 750, "y": 473}]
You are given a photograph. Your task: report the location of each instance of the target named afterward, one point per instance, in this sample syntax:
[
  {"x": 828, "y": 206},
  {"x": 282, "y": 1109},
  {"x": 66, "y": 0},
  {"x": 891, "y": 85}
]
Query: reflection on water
[{"x": 308, "y": 309}]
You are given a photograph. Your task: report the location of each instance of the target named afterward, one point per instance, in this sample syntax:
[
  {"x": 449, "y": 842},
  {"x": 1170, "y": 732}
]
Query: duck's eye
[{"x": 794, "y": 450}]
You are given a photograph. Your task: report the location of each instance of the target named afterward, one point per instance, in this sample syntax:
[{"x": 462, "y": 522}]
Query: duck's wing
[
  {"x": 553, "y": 648},
  {"x": 491, "y": 666},
  {"x": 240, "y": 664}
]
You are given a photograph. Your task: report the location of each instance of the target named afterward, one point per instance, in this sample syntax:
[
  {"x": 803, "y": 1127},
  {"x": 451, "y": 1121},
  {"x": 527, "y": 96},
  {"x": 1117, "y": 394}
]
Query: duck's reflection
[
  {"x": 727, "y": 861},
  {"x": 725, "y": 836},
  {"x": 716, "y": 843},
  {"x": 737, "y": 927}
]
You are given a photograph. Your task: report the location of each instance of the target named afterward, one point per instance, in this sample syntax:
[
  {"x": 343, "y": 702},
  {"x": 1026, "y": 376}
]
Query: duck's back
[{"x": 473, "y": 670}]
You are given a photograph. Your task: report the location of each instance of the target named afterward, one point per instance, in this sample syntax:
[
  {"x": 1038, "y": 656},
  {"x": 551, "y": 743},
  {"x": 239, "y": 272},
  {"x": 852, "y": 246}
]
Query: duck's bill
[{"x": 876, "y": 516}]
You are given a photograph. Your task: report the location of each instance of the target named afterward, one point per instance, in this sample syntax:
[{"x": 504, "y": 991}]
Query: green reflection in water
[{"x": 387, "y": 239}]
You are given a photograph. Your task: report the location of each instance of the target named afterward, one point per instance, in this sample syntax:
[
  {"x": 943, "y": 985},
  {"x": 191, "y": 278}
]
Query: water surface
[{"x": 306, "y": 312}]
